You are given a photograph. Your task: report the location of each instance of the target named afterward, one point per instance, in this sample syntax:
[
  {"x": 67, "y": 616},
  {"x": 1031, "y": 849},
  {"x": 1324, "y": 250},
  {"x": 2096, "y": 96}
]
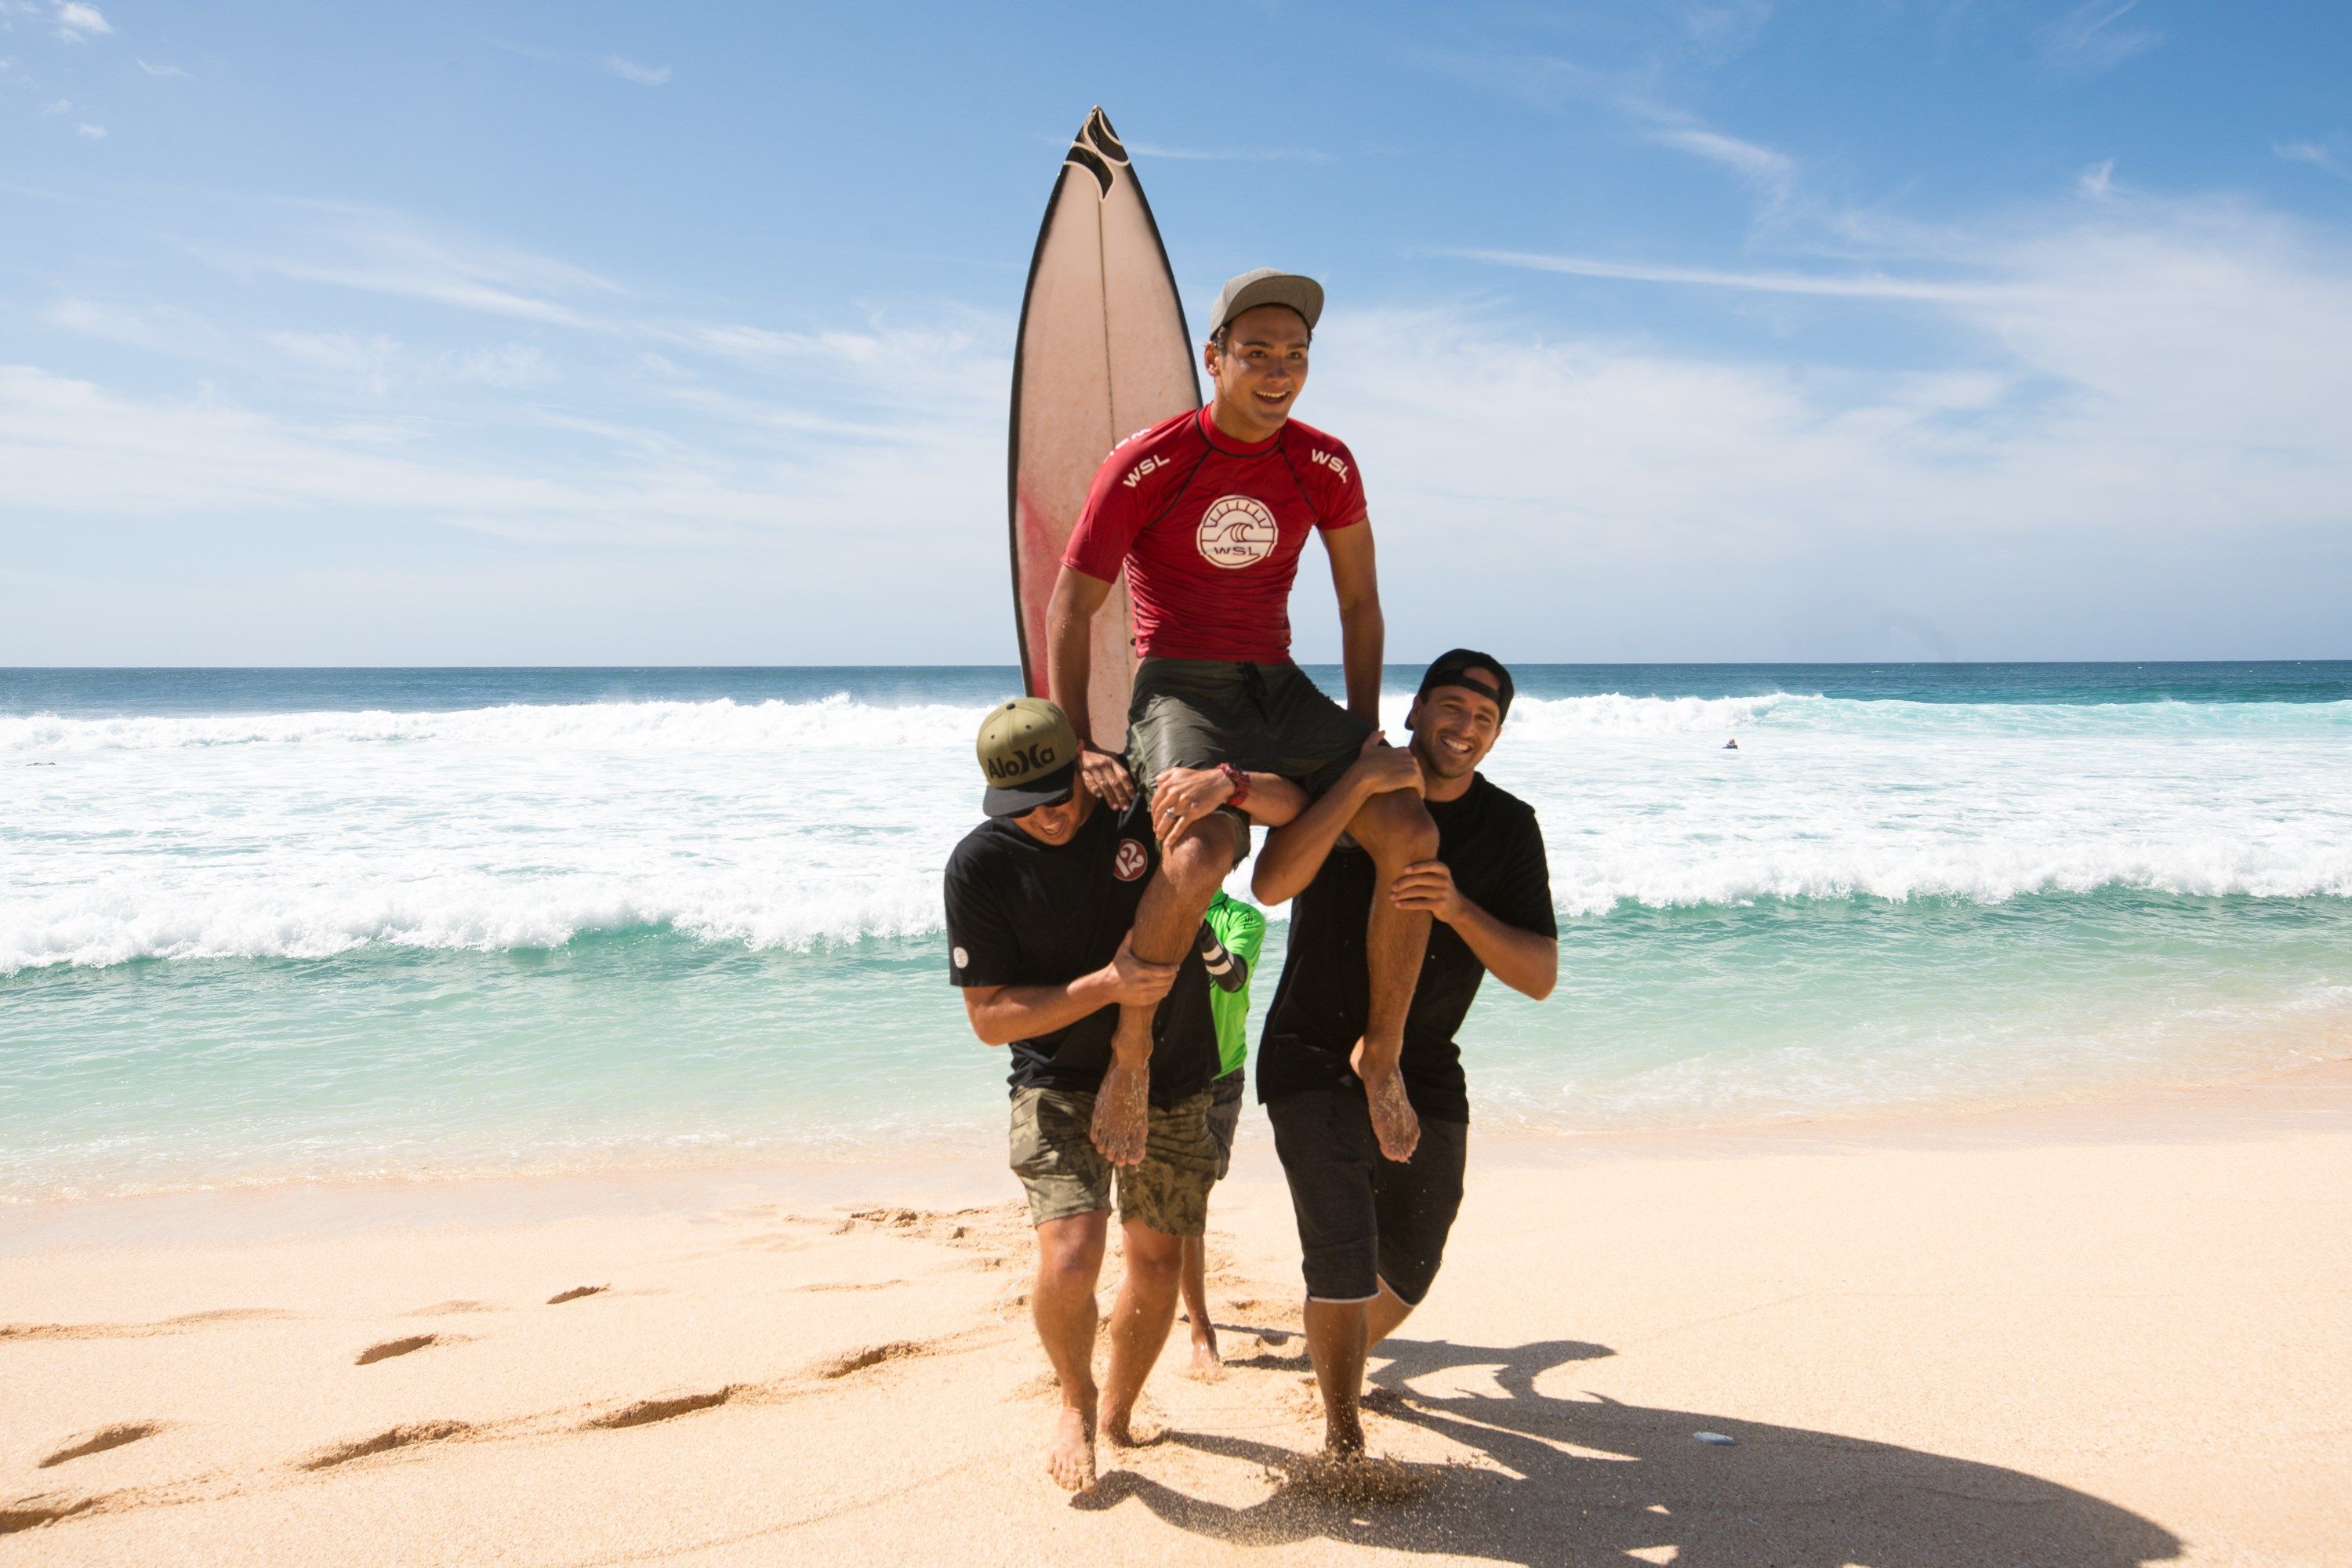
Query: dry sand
[{"x": 2108, "y": 1334}]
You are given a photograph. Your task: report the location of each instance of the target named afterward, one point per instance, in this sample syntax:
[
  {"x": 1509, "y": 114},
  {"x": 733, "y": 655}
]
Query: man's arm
[
  {"x": 1363, "y": 635},
  {"x": 1292, "y": 855},
  {"x": 1069, "y": 669},
  {"x": 1526, "y": 961},
  {"x": 1003, "y": 1014},
  {"x": 1181, "y": 797}
]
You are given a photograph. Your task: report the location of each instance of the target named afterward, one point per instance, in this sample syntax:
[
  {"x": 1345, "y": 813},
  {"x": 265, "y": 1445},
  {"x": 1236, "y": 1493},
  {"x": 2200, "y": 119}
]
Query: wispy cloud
[
  {"x": 2098, "y": 183},
  {"x": 383, "y": 252},
  {"x": 2093, "y": 37},
  {"x": 95, "y": 132},
  {"x": 2313, "y": 153},
  {"x": 629, "y": 70},
  {"x": 1849, "y": 286},
  {"x": 76, "y": 22},
  {"x": 1768, "y": 171},
  {"x": 1229, "y": 154},
  {"x": 1719, "y": 31},
  {"x": 152, "y": 70}
]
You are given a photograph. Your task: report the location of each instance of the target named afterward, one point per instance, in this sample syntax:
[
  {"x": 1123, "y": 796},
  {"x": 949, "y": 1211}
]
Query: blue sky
[{"x": 602, "y": 334}]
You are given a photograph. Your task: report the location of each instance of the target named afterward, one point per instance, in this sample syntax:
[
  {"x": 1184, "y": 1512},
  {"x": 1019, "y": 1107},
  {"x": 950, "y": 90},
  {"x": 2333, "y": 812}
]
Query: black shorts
[
  {"x": 1364, "y": 1220},
  {"x": 1261, "y": 718}
]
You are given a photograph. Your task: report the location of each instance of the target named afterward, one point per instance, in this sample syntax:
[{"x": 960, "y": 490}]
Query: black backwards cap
[{"x": 1475, "y": 671}]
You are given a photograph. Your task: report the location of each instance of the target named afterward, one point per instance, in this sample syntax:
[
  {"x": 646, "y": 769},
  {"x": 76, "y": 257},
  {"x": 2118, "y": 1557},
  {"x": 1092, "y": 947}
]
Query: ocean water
[{"x": 258, "y": 926}]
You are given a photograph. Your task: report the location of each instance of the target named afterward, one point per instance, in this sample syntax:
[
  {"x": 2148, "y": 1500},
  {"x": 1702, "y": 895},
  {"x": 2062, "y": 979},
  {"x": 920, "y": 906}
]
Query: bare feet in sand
[
  {"x": 1119, "y": 1429},
  {"x": 1206, "y": 1364},
  {"x": 1071, "y": 1461},
  {"x": 1343, "y": 1436}
]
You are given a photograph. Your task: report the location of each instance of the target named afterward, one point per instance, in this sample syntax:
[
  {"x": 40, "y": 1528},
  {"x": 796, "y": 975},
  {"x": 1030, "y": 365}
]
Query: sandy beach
[{"x": 2109, "y": 1333}]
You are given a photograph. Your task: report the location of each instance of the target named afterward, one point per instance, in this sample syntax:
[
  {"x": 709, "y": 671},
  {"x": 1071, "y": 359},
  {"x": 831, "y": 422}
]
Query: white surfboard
[{"x": 1102, "y": 354}]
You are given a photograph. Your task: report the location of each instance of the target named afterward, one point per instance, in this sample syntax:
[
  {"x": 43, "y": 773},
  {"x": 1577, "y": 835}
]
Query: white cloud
[
  {"x": 76, "y": 22},
  {"x": 160, "y": 70},
  {"x": 381, "y": 252},
  {"x": 95, "y": 132},
  {"x": 1768, "y": 171},
  {"x": 1847, "y": 286},
  {"x": 2313, "y": 153},
  {"x": 57, "y": 106},
  {"x": 627, "y": 70},
  {"x": 2093, "y": 37},
  {"x": 2150, "y": 396},
  {"x": 2098, "y": 182}
]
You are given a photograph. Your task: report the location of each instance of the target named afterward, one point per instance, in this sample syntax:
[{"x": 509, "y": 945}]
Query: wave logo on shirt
[
  {"x": 1130, "y": 860},
  {"x": 1236, "y": 532}
]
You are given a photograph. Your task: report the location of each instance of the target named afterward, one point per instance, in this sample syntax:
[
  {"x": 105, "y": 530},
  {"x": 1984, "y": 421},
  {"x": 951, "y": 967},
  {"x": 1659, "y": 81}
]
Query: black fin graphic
[
  {"x": 1099, "y": 132},
  {"x": 1084, "y": 158}
]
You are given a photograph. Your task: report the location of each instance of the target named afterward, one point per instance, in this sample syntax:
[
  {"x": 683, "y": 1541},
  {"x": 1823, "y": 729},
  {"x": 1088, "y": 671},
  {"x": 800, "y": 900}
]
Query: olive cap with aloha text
[{"x": 1029, "y": 754}]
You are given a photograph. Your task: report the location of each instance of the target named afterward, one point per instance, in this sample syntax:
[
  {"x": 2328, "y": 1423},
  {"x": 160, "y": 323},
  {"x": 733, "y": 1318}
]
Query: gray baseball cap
[
  {"x": 1267, "y": 286},
  {"x": 1030, "y": 754}
]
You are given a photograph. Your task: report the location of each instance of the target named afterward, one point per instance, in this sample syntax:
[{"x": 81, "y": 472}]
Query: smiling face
[
  {"x": 1259, "y": 372},
  {"x": 1057, "y": 824},
  {"x": 1454, "y": 728}
]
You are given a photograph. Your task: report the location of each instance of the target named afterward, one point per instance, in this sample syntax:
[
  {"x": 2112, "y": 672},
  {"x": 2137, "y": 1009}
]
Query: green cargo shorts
[
  {"x": 1065, "y": 1175},
  {"x": 1261, "y": 718}
]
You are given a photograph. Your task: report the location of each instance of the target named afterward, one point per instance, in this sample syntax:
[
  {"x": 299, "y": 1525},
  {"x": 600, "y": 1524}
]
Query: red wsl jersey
[{"x": 1209, "y": 530}]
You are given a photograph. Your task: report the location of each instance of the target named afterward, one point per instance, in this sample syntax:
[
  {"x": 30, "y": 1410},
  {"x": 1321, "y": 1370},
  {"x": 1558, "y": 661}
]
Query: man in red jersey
[{"x": 1207, "y": 514}]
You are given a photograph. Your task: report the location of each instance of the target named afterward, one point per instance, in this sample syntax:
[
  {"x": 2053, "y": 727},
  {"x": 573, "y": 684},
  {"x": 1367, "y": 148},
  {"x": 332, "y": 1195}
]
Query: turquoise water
[{"x": 256, "y": 926}]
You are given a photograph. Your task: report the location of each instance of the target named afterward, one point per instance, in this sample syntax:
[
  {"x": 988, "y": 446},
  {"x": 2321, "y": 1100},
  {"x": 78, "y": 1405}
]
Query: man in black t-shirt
[
  {"x": 1374, "y": 1230},
  {"x": 1040, "y": 898}
]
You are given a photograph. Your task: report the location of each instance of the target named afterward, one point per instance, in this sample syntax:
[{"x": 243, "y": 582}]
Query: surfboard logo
[
  {"x": 1237, "y": 531},
  {"x": 1096, "y": 150},
  {"x": 1130, "y": 860}
]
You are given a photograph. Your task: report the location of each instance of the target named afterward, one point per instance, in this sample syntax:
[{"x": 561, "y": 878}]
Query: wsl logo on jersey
[{"x": 1238, "y": 530}]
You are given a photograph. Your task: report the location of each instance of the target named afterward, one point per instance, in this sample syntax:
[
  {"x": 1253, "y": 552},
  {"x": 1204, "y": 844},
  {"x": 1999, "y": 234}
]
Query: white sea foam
[{"x": 784, "y": 824}]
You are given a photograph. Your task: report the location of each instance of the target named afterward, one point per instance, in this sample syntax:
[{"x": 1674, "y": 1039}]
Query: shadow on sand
[{"x": 1576, "y": 1481}]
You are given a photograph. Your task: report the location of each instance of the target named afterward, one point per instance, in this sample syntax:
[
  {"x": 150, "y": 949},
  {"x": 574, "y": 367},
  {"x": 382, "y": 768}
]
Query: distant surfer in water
[
  {"x": 1372, "y": 1232},
  {"x": 1207, "y": 513},
  {"x": 1040, "y": 898}
]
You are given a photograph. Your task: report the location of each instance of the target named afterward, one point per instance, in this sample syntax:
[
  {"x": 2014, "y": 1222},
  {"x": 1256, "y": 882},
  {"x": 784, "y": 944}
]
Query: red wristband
[{"x": 1238, "y": 779}]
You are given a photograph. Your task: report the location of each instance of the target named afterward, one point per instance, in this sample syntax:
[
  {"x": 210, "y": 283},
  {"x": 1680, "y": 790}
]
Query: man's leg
[
  {"x": 1397, "y": 830},
  {"x": 1191, "y": 869},
  {"x": 1335, "y": 1342},
  {"x": 1140, "y": 1321},
  {"x": 1384, "y": 1316},
  {"x": 1195, "y": 1288},
  {"x": 1061, "y": 1302}
]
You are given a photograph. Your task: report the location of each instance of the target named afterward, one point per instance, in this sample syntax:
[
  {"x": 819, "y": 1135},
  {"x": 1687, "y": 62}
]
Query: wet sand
[{"x": 2108, "y": 1334}]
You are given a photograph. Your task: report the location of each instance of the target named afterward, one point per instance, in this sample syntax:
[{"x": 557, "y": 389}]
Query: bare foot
[
  {"x": 1394, "y": 1121},
  {"x": 1122, "y": 1113},
  {"x": 1071, "y": 1461},
  {"x": 1343, "y": 1436},
  {"x": 1119, "y": 1429},
  {"x": 1206, "y": 1364}
]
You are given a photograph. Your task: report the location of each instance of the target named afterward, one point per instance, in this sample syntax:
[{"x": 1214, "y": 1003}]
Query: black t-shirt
[
  {"x": 1490, "y": 840},
  {"x": 1021, "y": 912}
]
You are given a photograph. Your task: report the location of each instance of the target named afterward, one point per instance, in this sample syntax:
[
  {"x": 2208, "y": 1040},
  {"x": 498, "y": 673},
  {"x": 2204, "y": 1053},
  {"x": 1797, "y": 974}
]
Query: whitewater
[{"x": 2163, "y": 878}]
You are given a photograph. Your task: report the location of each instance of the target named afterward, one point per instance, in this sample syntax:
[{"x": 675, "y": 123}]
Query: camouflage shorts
[{"x": 1065, "y": 1175}]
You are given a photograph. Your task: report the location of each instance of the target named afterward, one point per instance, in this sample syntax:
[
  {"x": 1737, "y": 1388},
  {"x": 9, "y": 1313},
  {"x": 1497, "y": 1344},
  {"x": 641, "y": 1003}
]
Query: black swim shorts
[
  {"x": 1261, "y": 718},
  {"x": 1364, "y": 1220}
]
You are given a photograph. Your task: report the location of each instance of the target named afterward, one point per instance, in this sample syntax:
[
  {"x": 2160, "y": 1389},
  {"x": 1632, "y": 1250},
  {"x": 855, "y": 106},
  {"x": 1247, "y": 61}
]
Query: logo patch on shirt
[
  {"x": 1135, "y": 474},
  {"x": 1336, "y": 465},
  {"x": 1236, "y": 532},
  {"x": 1130, "y": 860}
]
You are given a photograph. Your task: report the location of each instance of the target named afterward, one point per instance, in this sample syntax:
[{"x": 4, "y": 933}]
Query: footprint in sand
[
  {"x": 384, "y": 1442},
  {"x": 668, "y": 1408},
  {"x": 99, "y": 1441},
  {"x": 42, "y": 1507},
  {"x": 391, "y": 1348},
  {"x": 575, "y": 1293}
]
